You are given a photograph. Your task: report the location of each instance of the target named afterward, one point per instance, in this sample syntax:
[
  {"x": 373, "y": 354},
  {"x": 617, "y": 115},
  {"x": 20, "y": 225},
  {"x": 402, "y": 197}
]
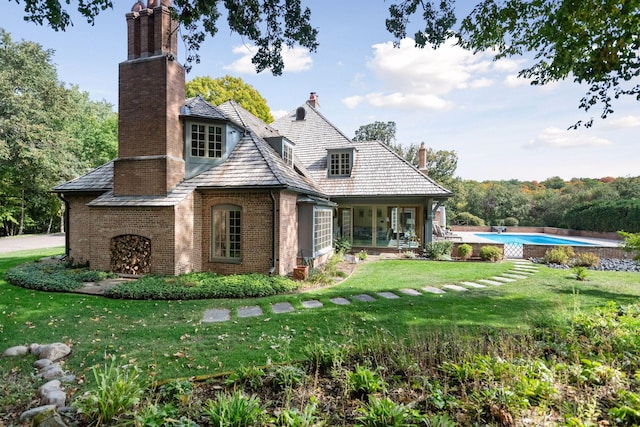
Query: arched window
[{"x": 226, "y": 233}]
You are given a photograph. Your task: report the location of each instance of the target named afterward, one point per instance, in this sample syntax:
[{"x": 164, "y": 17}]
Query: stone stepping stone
[
  {"x": 411, "y": 292},
  {"x": 473, "y": 285},
  {"x": 491, "y": 282},
  {"x": 503, "y": 279},
  {"x": 455, "y": 288},
  {"x": 216, "y": 315},
  {"x": 388, "y": 295},
  {"x": 364, "y": 298},
  {"x": 340, "y": 301},
  {"x": 282, "y": 307},
  {"x": 514, "y": 276},
  {"x": 312, "y": 303},
  {"x": 250, "y": 311},
  {"x": 433, "y": 290}
]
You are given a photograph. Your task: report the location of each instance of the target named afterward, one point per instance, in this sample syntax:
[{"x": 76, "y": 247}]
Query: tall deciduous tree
[
  {"x": 226, "y": 88},
  {"x": 594, "y": 42},
  {"x": 377, "y": 131},
  {"x": 47, "y": 135}
]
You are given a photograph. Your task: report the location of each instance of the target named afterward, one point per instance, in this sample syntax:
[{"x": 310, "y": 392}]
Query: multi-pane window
[
  {"x": 226, "y": 231},
  {"x": 340, "y": 164},
  {"x": 287, "y": 154},
  {"x": 206, "y": 141},
  {"x": 322, "y": 230}
]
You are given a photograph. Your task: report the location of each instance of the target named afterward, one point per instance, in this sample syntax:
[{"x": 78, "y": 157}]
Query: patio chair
[{"x": 444, "y": 234}]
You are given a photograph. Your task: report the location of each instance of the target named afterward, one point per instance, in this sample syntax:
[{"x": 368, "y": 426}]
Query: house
[{"x": 197, "y": 187}]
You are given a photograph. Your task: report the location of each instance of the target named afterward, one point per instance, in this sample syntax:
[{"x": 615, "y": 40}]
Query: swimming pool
[{"x": 531, "y": 239}]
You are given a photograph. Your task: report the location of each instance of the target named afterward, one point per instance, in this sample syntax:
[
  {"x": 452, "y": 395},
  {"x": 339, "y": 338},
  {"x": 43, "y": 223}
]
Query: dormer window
[
  {"x": 340, "y": 162},
  {"x": 287, "y": 153},
  {"x": 206, "y": 140}
]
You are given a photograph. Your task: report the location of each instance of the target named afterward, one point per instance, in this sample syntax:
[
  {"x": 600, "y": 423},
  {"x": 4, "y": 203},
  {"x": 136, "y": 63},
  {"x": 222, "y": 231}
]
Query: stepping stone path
[{"x": 521, "y": 270}]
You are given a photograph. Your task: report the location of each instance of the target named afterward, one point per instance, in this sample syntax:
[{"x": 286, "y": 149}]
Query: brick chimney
[
  {"x": 151, "y": 91},
  {"x": 422, "y": 159},
  {"x": 313, "y": 100}
]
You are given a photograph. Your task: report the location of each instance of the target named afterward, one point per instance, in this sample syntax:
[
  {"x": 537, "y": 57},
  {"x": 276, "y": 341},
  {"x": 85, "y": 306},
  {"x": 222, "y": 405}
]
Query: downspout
[
  {"x": 273, "y": 234},
  {"x": 66, "y": 224}
]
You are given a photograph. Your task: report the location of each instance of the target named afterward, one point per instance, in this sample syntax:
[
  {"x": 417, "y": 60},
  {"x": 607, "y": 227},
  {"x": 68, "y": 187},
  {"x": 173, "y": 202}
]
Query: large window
[
  {"x": 322, "y": 230},
  {"x": 226, "y": 232},
  {"x": 206, "y": 141},
  {"x": 340, "y": 163},
  {"x": 287, "y": 153}
]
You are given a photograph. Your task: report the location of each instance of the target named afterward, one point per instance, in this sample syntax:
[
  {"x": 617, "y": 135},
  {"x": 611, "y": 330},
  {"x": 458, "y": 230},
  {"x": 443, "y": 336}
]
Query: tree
[
  {"x": 41, "y": 123},
  {"x": 270, "y": 24},
  {"x": 377, "y": 131},
  {"x": 442, "y": 164},
  {"x": 226, "y": 88},
  {"x": 594, "y": 42}
]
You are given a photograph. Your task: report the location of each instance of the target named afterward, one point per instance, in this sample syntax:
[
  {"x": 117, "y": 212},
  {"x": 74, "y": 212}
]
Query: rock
[
  {"x": 42, "y": 363},
  {"x": 48, "y": 387},
  {"x": 48, "y": 419},
  {"x": 55, "y": 397},
  {"x": 52, "y": 372},
  {"x": 31, "y": 413},
  {"x": 19, "y": 350},
  {"x": 53, "y": 352},
  {"x": 35, "y": 349}
]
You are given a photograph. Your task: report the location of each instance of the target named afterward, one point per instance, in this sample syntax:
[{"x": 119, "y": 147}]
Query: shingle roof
[
  {"x": 253, "y": 163},
  {"x": 377, "y": 170},
  {"x": 97, "y": 180}
]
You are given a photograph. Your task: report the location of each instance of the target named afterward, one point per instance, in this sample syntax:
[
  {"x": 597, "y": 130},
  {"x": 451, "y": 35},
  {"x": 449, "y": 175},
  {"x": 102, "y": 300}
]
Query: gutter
[
  {"x": 66, "y": 224},
  {"x": 273, "y": 234}
]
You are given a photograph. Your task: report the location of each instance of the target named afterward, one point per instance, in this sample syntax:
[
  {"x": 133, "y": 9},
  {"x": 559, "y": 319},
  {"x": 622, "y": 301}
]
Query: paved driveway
[{"x": 32, "y": 241}]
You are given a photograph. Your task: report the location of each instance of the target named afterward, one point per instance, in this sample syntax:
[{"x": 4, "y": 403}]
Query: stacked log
[{"x": 130, "y": 254}]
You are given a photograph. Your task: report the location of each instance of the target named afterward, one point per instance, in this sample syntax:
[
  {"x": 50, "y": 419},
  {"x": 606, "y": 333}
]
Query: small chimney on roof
[
  {"x": 313, "y": 100},
  {"x": 422, "y": 159}
]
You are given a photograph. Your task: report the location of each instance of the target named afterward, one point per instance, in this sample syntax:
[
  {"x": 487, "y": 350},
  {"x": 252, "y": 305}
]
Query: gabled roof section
[
  {"x": 97, "y": 180},
  {"x": 236, "y": 113},
  {"x": 254, "y": 164},
  {"x": 377, "y": 170},
  {"x": 200, "y": 108}
]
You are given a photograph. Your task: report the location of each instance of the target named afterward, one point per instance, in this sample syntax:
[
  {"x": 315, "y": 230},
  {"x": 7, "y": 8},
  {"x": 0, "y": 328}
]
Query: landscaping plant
[
  {"x": 491, "y": 253},
  {"x": 464, "y": 251}
]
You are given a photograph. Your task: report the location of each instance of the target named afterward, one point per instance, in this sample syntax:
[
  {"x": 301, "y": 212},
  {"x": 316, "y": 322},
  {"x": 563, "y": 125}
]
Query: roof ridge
[{"x": 315, "y": 110}]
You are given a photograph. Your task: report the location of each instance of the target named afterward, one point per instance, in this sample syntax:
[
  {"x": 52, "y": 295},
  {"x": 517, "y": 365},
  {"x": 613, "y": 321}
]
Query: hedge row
[
  {"x": 203, "y": 286},
  {"x": 51, "y": 276},
  {"x": 605, "y": 216}
]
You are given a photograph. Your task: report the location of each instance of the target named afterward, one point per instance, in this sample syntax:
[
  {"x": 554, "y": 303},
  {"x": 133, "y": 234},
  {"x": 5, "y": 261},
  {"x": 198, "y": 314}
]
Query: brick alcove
[{"x": 130, "y": 254}]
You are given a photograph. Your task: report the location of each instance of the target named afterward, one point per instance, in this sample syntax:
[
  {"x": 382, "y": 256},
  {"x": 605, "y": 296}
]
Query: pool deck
[{"x": 470, "y": 237}]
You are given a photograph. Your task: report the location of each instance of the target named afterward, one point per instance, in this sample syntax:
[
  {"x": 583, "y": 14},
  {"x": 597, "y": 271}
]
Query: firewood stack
[{"x": 130, "y": 254}]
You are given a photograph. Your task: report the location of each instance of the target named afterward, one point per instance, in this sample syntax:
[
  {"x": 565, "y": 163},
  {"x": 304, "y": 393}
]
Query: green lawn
[{"x": 168, "y": 339}]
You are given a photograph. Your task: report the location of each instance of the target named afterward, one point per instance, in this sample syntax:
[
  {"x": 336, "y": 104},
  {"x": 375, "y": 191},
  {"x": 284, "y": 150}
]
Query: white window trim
[{"x": 327, "y": 234}]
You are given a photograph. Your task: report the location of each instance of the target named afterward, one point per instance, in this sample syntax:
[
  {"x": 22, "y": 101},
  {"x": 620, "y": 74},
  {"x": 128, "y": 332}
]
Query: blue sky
[{"x": 500, "y": 126}]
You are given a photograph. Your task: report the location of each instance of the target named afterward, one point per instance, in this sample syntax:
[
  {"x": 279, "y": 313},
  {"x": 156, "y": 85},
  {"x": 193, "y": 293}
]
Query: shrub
[
  {"x": 586, "y": 259},
  {"x": 364, "y": 381},
  {"x": 631, "y": 243},
  {"x": 52, "y": 276},
  {"x": 117, "y": 391},
  {"x": 384, "y": 413},
  {"x": 491, "y": 253},
  {"x": 234, "y": 410},
  {"x": 558, "y": 255},
  {"x": 342, "y": 244},
  {"x": 362, "y": 255},
  {"x": 286, "y": 377},
  {"x": 511, "y": 221},
  {"x": 203, "y": 286},
  {"x": 439, "y": 250},
  {"x": 464, "y": 251},
  {"x": 410, "y": 255},
  {"x": 467, "y": 218},
  {"x": 580, "y": 272}
]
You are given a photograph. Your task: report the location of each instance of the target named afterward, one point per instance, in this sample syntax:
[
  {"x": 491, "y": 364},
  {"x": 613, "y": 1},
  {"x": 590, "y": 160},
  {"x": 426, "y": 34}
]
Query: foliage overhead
[
  {"x": 223, "y": 89},
  {"x": 593, "y": 42},
  {"x": 377, "y": 131},
  {"x": 270, "y": 24}
]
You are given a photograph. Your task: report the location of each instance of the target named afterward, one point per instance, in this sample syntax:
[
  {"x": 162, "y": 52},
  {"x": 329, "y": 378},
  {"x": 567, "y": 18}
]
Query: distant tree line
[{"x": 49, "y": 133}]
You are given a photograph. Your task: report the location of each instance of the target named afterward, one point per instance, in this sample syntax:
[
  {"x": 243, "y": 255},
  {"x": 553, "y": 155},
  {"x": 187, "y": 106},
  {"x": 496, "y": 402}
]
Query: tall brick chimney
[
  {"x": 422, "y": 159},
  {"x": 313, "y": 100},
  {"x": 151, "y": 91}
]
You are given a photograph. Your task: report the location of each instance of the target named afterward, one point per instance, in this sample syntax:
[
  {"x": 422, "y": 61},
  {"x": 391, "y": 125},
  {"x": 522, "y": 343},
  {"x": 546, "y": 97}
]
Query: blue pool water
[{"x": 531, "y": 239}]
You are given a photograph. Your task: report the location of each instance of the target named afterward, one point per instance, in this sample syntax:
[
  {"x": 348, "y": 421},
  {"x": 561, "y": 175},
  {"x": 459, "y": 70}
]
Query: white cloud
[
  {"x": 513, "y": 80},
  {"x": 295, "y": 59},
  {"x": 399, "y": 100},
  {"x": 422, "y": 77},
  {"x": 624, "y": 122},
  {"x": 562, "y": 138},
  {"x": 278, "y": 113}
]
